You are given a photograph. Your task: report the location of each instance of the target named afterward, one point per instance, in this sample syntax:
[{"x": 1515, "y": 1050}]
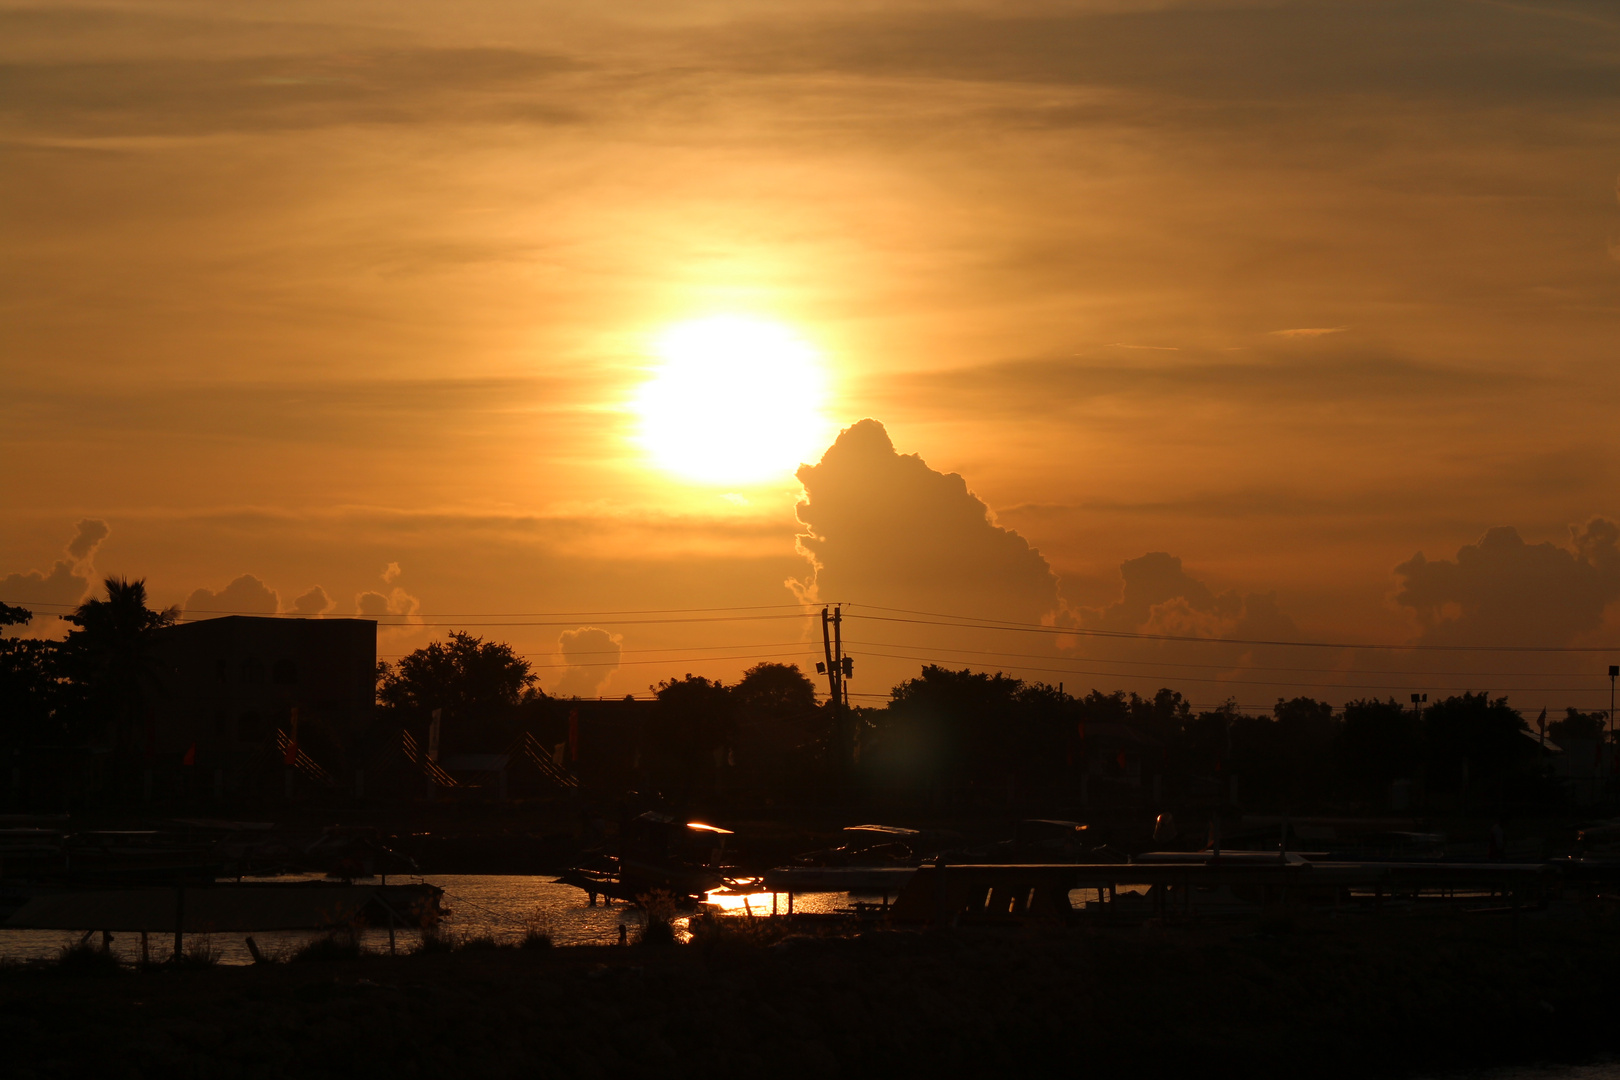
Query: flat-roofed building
[{"x": 231, "y": 683}]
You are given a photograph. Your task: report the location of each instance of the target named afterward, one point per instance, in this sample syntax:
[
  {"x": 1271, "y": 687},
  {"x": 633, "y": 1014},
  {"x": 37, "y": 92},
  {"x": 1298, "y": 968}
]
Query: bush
[{"x": 477, "y": 943}]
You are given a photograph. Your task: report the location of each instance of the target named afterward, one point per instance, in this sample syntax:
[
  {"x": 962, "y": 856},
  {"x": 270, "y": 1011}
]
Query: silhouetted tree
[
  {"x": 110, "y": 659},
  {"x": 1378, "y": 743},
  {"x": 693, "y": 732},
  {"x": 1577, "y": 725},
  {"x": 1471, "y": 741},
  {"x": 478, "y": 684},
  {"x": 956, "y": 728},
  {"x": 31, "y": 686},
  {"x": 775, "y": 690},
  {"x": 1299, "y": 765}
]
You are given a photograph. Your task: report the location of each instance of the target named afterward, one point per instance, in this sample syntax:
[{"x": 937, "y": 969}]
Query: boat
[{"x": 658, "y": 855}]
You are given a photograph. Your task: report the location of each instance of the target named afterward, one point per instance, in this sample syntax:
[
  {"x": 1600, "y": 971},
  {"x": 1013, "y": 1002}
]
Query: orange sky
[{"x": 1287, "y": 291}]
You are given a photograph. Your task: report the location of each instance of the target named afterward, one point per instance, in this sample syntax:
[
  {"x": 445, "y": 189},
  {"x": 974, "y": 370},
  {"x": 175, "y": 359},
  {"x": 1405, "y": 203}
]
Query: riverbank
[{"x": 1304, "y": 995}]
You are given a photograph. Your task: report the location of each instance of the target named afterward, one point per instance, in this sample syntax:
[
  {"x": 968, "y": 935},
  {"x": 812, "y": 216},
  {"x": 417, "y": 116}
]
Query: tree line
[{"x": 946, "y": 739}]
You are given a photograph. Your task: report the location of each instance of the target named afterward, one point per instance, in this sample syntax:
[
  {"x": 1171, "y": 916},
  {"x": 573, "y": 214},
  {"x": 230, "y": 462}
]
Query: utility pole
[{"x": 837, "y": 667}]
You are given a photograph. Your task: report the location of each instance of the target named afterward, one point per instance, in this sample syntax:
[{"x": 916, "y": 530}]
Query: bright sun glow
[{"x": 734, "y": 401}]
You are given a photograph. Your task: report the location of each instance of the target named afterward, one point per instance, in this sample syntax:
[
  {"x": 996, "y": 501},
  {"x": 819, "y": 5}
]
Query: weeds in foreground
[
  {"x": 199, "y": 952},
  {"x": 661, "y": 908},
  {"x": 84, "y": 958},
  {"x": 484, "y": 942},
  {"x": 342, "y": 943},
  {"x": 712, "y": 931},
  {"x": 435, "y": 939},
  {"x": 538, "y": 932}
]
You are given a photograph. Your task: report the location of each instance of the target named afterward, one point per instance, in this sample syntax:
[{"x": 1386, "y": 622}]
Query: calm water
[{"x": 503, "y": 906}]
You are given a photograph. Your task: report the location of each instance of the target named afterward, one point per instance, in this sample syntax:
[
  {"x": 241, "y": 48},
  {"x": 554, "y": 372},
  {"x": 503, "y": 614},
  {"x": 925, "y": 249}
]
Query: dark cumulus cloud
[
  {"x": 1503, "y": 591},
  {"x": 592, "y": 655},
  {"x": 67, "y": 580},
  {"x": 245, "y": 595},
  {"x": 1160, "y": 597},
  {"x": 313, "y": 602},
  {"x": 883, "y": 528}
]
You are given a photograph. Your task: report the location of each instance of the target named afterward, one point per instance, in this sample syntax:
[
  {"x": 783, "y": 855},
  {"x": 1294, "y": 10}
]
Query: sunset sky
[{"x": 510, "y": 315}]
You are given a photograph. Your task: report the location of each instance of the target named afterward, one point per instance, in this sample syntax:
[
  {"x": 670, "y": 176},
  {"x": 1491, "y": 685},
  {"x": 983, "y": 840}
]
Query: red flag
[
  {"x": 1121, "y": 759},
  {"x": 1082, "y": 727},
  {"x": 191, "y": 756}
]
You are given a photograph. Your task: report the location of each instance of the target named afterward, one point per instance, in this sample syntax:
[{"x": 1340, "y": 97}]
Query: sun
[{"x": 733, "y": 401}]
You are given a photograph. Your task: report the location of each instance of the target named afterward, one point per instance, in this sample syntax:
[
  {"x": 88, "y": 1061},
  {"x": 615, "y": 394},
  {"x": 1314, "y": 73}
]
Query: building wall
[{"x": 232, "y": 682}]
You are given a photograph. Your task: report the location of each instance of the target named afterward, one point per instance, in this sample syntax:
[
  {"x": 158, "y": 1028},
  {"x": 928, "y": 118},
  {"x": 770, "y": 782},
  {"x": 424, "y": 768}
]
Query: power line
[
  {"x": 1184, "y": 664},
  {"x": 610, "y": 652},
  {"x": 473, "y": 615},
  {"x": 571, "y": 622},
  {"x": 1074, "y": 631},
  {"x": 1280, "y": 682}
]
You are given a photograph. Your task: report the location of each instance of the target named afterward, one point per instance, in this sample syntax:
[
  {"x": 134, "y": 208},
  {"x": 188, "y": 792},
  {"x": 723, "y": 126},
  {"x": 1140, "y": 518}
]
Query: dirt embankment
[{"x": 1341, "y": 997}]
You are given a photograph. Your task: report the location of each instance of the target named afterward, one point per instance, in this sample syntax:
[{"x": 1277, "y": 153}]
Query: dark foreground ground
[{"x": 1307, "y": 996}]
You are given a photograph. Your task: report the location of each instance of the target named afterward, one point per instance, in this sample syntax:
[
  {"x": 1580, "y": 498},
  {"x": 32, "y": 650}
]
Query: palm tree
[{"x": 110, "y": 659}]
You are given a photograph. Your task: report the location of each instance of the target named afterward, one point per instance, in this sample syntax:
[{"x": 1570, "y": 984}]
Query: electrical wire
[
  {"x": 1159, "y": 664},
  {"x": 1074, "y": 631}
]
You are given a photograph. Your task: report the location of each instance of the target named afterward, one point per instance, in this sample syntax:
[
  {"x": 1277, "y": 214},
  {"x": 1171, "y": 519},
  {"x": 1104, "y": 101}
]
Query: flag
[
  {"x": 1541, "y": 721},
  {"x": 291, "y": 756},
  {"x": 433, "y": 735},
  {"x": 1121, "y": 759},
  {"x": 573, "y": 735},
  {"x": 191, "y": 756}
]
